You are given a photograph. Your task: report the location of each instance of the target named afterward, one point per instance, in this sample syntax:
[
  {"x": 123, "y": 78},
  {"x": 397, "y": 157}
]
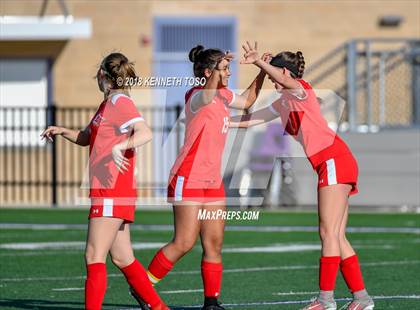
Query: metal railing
[
  {"x": 378, "y": 78},
  {"x": 34, "y": 172}
]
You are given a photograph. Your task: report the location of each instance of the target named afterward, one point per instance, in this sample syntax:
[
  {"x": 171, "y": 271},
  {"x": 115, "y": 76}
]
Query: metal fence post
[
  {"x": 368, "y": 84},
  {"x": 351, "y": 83},
  {"x": 415, "y": 65},
  {"x": 382, "y": 97},
  {"x": 51, "y": 120}
]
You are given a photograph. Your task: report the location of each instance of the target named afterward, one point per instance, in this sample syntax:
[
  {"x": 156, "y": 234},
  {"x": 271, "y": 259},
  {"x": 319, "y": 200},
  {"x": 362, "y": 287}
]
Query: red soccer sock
[
  {"x": 328, "y": 268},
  {"x": 159, "y": 267},
  {"x": 95, "y": 286},
  {"x": 350, "y": 269},
  {"x": 137, "y": 277},
  {"x": 212, "y": 278}
]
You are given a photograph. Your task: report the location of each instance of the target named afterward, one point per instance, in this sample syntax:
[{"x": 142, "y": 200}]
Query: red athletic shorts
[
  {"x": 113, "y": 207},
  {"x": 181, "y": 189},
  {"x": 339, "y": 170}
]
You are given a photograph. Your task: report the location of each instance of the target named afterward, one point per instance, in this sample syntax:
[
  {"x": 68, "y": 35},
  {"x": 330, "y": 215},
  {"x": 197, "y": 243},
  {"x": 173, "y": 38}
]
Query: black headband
[{"x": 278, "y": 62}]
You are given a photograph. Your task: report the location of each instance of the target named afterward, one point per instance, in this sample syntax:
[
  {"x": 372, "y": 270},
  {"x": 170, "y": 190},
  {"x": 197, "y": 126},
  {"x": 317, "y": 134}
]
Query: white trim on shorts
[
  {"x": 108, "y": 209},
  {"x": 331, "y": 172},
  {"x": 178, "y": 188}
]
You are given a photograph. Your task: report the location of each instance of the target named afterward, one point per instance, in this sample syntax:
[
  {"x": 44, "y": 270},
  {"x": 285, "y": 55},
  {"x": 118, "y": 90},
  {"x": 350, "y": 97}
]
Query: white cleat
[{"x": 316, "y": 304}]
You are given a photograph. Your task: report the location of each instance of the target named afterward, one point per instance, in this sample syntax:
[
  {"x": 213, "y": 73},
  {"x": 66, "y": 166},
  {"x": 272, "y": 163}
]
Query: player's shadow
[{"x": 51, "y": 305}]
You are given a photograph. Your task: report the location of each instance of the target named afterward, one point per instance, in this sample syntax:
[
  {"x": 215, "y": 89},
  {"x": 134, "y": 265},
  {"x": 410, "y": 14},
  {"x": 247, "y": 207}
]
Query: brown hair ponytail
[
  {"x": 294, "y": 62},
  {"x": 117, "y": 68},
  {"x": 300, "y": 64},
  {"x": 205, "y": 59}
]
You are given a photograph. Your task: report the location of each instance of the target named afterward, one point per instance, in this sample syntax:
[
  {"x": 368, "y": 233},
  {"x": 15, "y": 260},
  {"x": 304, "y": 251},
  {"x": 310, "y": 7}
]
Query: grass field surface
[{"x": 269, "y": 263}]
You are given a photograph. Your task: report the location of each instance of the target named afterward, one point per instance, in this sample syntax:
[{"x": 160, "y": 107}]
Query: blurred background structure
[{"x": 366, "y": 54}]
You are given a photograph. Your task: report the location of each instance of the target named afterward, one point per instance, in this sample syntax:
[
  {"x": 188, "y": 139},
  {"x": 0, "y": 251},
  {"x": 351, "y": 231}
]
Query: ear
[{"x": 207, "y": 73}]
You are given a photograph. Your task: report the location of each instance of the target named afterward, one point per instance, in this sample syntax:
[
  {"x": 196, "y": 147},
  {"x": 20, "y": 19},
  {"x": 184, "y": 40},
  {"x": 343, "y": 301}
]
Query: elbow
[{"x": 148, "y": 136}]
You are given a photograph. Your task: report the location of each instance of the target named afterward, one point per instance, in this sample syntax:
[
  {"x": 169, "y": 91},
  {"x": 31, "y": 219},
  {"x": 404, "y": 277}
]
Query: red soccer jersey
[
  {"x": 303, "y": 120},
  {"x": 200, "y": 158},
  {"x": 108, "y": 127}
]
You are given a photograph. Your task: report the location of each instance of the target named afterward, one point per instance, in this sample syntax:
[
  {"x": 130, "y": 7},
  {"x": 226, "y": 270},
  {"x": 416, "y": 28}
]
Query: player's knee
[
  {"x": 93, "y": 255},
  {"x": 342, "y": 237},
  {"x": 327, "y": 233},
  {"x": 183, "y": 245},
  {"x": 122, "y": 261},
  {"x": 213, "y": 246}
]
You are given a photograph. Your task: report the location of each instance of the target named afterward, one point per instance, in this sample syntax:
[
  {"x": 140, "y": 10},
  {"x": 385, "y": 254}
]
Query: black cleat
[
  {"x": 212, "y": 304},
  {"x": 143, "y": 305}
]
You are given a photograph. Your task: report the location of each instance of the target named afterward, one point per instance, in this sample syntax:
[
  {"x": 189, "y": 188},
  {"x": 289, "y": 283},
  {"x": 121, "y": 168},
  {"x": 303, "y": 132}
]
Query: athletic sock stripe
[{"x": 152, "y": 278}]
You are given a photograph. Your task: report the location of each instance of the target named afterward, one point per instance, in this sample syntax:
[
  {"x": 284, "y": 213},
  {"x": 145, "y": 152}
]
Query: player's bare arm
[
  {"x": 79, "y": 137},
  {"x": 256, "y": 118}
]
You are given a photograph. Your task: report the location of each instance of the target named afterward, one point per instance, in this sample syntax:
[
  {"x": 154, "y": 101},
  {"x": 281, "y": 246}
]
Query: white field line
[
  {"x": 271, "y": 248},
  {"x": 281, "y": 248},
  {"x": 295, "y": 293},
  {"x": 236, "y": 270},
  {"x": 78, "y": 245},
  {"x": 414, "y": 230},
  {"x": 66, "y": 289}
]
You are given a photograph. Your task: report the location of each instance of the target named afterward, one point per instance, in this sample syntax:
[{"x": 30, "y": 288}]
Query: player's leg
[
  {"x": 123, "y": 257},
  {"x": 332, "y": 202},
  {"x": 350, "y": 269},
  {"x": 101, "y": 234},
  {"x": 187, "y": 227},
  {"x": 212, "y": 233}
]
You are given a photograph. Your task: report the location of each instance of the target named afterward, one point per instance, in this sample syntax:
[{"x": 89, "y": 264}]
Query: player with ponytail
[
  {"x": 195, "y": 182},
  {"x": 116, "y": 129},
  {"x": 330, "y": 158}
]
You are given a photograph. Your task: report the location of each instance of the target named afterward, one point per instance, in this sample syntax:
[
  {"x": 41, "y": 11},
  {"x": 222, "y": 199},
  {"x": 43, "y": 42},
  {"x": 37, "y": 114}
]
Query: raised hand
[
  {"x": 251, "y": 53},
  {"x": 266, "y": 57}
]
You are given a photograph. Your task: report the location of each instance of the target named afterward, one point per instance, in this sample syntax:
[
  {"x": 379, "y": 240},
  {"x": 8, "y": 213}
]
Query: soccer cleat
[
  {"x": 361, "y": 304},
  {"x": 143, "y": 305},
  {"x": 212, "y": 304},
  {"x": 316, "y": 304}
]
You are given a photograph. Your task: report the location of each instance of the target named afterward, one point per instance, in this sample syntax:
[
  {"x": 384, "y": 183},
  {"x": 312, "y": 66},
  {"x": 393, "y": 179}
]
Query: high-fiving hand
[{"x": 251, "y": 53}]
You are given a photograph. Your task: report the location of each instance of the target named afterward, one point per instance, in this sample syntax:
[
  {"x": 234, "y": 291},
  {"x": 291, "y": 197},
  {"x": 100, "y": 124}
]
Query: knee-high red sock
[
  {"x": 350, "y": 269},
  {"x": 95, "y": 286},
  {"x": 328, "y": 268},
  {"x": 137, "y": 277},
  {"x": 212, "y": 278},
  {"x": 159, "y": 267}
]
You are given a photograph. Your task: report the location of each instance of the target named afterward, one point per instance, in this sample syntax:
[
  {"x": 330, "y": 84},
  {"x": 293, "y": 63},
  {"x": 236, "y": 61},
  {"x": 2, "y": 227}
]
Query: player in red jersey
[
  {"x": 195, "y": 182},
  {"x": 332, "y": 160},
  {"x": 114, "y": 132}
]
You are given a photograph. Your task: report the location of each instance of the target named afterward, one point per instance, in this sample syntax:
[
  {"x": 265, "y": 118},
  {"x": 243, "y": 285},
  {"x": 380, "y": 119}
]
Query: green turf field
[{"x": 42, "y": 266}]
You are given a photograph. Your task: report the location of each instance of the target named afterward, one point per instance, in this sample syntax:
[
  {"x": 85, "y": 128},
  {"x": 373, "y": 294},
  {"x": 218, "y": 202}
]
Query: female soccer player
[
  {"x": 195, "y": 183},
  {"x": 114, "y": 132},
  {"x": 332, "y": 160}
]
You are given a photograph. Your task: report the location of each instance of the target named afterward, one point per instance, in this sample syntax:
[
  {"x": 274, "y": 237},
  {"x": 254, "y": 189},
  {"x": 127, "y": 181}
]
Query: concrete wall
[{"x": 389, "y": 169}]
